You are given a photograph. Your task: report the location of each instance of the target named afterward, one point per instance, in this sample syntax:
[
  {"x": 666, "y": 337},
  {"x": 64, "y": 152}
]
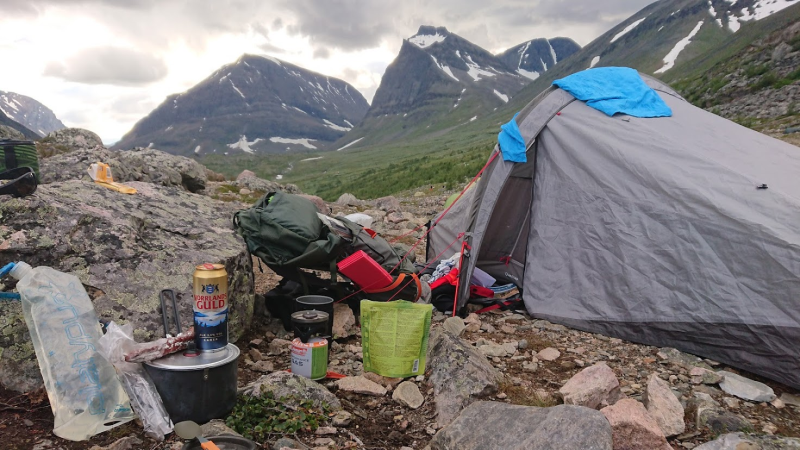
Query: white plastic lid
[{"x": 20, "y": 270}]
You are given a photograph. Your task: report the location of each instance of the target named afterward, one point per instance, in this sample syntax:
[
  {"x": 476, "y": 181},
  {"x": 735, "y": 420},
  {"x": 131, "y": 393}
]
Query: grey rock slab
[
  {"x": 742, "y": 441},
  {"x": 141, "y": 164},
  {"x": 125, "y": 249},
  {"x": 493, "y": 350},
  {"x": 361, "y": 385},
  {"x": 548, "y": 354},
  {"x": 454, "y": 325},
  {"x": 745, "y": 388},
  {"x": 663, "y": 406},
  {"x": 408, "y": 394},
  {"x": 460, "y": 375},
  {"x": 294, "y": 388},
  {"x": 494, "y": 425},
  {"x": 680, "y": 358}
]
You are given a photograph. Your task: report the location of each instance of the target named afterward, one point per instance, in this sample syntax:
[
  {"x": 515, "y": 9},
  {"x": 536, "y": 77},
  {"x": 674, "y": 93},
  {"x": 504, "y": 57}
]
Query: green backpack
[
  {"x": 284, "y": 231},
  {"x": 15, "y": 154}
]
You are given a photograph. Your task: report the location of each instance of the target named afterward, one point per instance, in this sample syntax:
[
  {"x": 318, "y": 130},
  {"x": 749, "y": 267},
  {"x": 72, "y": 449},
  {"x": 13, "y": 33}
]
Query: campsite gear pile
[
  {"x": 85, "y": 394},
  {"x": 646, "y": 229},
  {"x": 101, "y": 174},
  {"x": 289, "y": 235}
]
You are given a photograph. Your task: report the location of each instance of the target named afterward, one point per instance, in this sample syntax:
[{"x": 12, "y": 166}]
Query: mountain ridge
[{"x": 254, "y": 105}]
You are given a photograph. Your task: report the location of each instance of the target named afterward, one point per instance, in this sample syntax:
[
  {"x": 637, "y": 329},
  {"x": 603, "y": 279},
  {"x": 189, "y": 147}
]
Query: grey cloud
[
  {"x": 346, "y": 24},
  {"x": 271, "y": 48},
  {"x": 109, "y": 65},
  {"x": 321, "y": 53}
]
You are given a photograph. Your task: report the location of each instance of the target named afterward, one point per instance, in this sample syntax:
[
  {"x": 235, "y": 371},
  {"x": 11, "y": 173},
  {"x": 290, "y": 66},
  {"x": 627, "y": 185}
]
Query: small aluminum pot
[{"x": 198, "y": 387}]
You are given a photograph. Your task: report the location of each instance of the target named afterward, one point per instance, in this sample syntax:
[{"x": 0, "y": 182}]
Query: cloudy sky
[{"x": 105, "y": 64}]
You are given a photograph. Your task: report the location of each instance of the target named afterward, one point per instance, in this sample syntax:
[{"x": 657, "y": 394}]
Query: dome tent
[{"x": 657, "y": 230}]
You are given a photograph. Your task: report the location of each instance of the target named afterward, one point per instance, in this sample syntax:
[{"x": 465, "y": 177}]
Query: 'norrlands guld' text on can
[{"x": 210, "y": 307}]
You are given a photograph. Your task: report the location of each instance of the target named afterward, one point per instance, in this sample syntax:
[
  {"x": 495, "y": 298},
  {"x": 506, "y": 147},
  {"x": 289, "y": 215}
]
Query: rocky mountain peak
[
  {"x": 255, "y": 104},
  {"x": 29, "y": 113}
]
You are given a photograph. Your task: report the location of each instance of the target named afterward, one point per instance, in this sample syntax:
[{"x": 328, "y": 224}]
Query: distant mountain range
[
  {"x": 734, "y": 57},
  {"x": 441, "y": 80},
  {"x": 29, "y": 116},
  {"x": 254, "y": 105}
]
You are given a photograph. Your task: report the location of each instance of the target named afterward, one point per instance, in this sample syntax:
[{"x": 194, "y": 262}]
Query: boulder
[
  {"x": 459, "y": 373},
  {"x": 344, "y": 321},
  {"x": 745, "y": 388},
  {"x": 322, "y": 207},
  {"x": 594, "y": 387},
  {"x": 294, "y": 388},
  {"x": 633, "y": 427},
  {"x": 260, "y": 185},
  {"x": 680, "y": 358},
  {"x": 6, "y": 132},
  {"x": 408, "y": 394},
  {"x": 348, "y": 200},
  {"x": 72, "y": 139},
  {"x": 704, "y": 376},
  {"x": 361, "y": 385},
  {"x": 548, "y": 354},
  {"x": 140, "y": 164},
  {"x": 704, "y": 411},
  {"x": 485, "y": 425},
  {"x": 663, "y": 406},
  {"x": 388, "y": 204},
  {"x": 125, "y": 249},
  {"x": 742, "y": 441},
  {"x": 217, "y": 427},
  {"x": 245, "y": 174},
  {"x": 454, "y": 325}
]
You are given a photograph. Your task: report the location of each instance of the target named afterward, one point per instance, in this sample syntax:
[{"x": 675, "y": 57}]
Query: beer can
[{"x": 210, "y": 307}]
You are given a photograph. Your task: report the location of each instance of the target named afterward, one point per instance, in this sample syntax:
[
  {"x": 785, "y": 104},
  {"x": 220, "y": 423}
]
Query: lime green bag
[
  {"x": 15, "y": 154},
  {"x": 394, "y": 337}
]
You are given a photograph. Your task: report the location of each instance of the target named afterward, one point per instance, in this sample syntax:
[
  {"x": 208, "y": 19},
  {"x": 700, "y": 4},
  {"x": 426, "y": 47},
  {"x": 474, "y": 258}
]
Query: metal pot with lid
[{"x": 197, "y": 386}]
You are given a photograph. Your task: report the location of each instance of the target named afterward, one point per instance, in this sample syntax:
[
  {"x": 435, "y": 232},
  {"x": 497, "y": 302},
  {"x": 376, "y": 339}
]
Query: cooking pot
[{"x": 197, "y": 386}]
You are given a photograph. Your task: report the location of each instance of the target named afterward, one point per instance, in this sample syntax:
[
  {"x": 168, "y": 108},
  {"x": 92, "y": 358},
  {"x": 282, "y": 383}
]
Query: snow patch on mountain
[
  {"x": 311, "y": 159},
  {"x": 528, "y": 73},
  {"x": 594, "y": 62},
  {"x": 332, "y": 125},
  {"x": 243, "y": 145},
  {"x": 305, "y": 142},
  {"x": 766, "y": 8},
  {"x": 502, "y": 96},
  {"x": 444, "y": 69},
  {"x": 628, "y": 29},
  {"x": 552, "y": 52},
  {"x": 348, "y": 145},
  {"x": 475, "y": 71},
  {"x": 733, "y": 23},
  {"x": 237, "y": 89},
  {"x": 669, "y": 60},
  {"x": 426, "y": 40}
]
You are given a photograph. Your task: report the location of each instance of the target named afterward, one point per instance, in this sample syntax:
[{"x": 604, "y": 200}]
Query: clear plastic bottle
[{"x": 84, "y": 391}]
